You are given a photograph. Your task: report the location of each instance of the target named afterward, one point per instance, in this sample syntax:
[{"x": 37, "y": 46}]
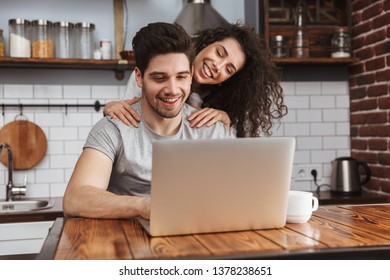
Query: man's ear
[{"x": 138, "y": 77}]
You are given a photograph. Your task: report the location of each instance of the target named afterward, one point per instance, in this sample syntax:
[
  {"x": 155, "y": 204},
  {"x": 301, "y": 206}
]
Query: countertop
[
  {"x": 333, "y": 232},
  {"x": 49, "y": 214},
  {"x": 365, "y": 197}
]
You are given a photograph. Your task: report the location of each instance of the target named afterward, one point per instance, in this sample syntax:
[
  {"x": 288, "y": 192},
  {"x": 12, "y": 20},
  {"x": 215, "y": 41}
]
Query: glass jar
[
  {"x": 2, "y": 47},
  {"x": 19, "y": 38},
  {"x": 279, "y": 46},
  {"x": 341, "y": 42},
  {"x": 42, "y": 41},
  {"x": 63, "y": 32},
  {"x": 84, "y": 43}
]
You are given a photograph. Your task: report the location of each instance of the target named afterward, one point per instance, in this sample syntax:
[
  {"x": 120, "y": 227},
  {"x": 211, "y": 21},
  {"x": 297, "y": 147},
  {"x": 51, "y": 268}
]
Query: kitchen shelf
[
  {"x": 315, "y": 61},
  {"x": 119, "y": 66},
  {"x": 322, "y": 17}
]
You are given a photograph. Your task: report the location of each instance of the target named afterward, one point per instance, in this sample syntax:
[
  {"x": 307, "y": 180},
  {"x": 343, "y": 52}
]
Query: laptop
[{"x": 219, "y": 185}]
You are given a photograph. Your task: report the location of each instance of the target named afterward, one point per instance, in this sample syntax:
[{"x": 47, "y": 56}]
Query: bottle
[
  {"x": 19, "y": 38},
  {"x": 63, "y": 32},
  {"x": 105, "y": 48},
  {"x": 341, "y": 42},
  {"x": 2, "y": 47},
  {"x": 84, "y": 45},
  {"x": 300, "y": 41},
  {"x": 42, "y": 41}
]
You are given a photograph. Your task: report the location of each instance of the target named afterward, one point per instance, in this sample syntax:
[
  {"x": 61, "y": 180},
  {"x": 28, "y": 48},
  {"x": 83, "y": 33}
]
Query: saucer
[{"x": 297, "y": 219}]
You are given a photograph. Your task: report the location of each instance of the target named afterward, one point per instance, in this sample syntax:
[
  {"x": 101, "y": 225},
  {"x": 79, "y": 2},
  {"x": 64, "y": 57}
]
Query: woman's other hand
[
  {"x": 122, "y": 110},
  {"x": 208, "y": 117}
]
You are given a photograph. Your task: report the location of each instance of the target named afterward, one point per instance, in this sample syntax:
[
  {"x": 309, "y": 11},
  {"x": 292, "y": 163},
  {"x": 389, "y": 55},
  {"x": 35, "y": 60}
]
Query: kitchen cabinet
[
  {"x": 23, "y": 238},
  {"x": 276, "y": 17}
]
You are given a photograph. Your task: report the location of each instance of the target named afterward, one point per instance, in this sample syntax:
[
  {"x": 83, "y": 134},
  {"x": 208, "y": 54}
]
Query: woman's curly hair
[{"x": 253, "y": 97}]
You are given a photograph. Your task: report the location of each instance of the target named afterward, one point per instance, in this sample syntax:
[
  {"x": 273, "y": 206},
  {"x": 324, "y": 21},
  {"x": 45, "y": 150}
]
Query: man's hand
[
  {"x": 122, "y": 110},
  {"x": 208, "y": 117},
  {"x": 144, "y": 207}
]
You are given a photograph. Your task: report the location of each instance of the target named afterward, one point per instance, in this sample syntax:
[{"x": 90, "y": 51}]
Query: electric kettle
[{"x": 346, "y": 176}]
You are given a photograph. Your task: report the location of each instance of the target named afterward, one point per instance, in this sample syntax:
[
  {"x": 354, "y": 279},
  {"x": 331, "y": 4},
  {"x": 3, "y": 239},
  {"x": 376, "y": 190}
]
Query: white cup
[{"x": 301, "y": 204}]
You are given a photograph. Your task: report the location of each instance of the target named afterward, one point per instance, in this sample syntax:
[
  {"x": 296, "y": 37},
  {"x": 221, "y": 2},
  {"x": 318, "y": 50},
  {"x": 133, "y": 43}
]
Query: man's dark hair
[{"x": 160, "y": 38}]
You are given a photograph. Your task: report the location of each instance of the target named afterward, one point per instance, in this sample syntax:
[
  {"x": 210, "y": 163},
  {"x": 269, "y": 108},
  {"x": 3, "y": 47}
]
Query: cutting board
[{"x": 27, "y": 141}]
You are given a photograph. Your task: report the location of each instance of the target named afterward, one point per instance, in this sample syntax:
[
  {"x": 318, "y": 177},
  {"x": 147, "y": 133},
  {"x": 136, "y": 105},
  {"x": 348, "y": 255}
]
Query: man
[{"x": 113, "y": 174}]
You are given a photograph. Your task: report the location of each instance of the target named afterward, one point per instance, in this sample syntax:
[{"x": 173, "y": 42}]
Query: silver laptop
[{"x": 201, "y": 186}]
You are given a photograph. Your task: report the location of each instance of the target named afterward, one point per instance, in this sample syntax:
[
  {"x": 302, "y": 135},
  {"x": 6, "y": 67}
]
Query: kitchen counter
[
  {"x": 365, "y": 197},
  {"x": 333, "y": 232},
  {"x": 49, "y": 214}
]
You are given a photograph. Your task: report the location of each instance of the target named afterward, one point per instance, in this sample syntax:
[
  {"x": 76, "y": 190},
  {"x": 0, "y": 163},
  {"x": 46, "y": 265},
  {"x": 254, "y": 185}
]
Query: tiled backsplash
[{"x": 318, "y": 117}]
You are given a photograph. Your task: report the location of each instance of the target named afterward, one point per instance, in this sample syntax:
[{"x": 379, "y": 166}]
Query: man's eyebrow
[
  {"x": 184, "y": 72},
  {"x": 157, "y": 73}
]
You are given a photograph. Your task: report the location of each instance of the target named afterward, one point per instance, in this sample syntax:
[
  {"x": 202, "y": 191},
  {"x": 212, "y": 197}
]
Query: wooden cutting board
[{"x": 27, "y": 141}]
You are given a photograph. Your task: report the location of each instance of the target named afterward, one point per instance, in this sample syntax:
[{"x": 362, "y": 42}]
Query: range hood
[{"x": 197, "y": 15}]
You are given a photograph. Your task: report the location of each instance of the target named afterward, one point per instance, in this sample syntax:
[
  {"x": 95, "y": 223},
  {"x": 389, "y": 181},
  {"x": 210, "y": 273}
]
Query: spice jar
[
  {"x": 42, "y": 42},
  {"x": 63, "y": 32},
  {"x": 279, "y": 46},
  {"x": 2, "y": 48},
  {"x": 19, "y": 38},
  {"x": 84, "y": 43},
  {"x": 341, "y": 42},
  {"x": 105, "y": 48}
]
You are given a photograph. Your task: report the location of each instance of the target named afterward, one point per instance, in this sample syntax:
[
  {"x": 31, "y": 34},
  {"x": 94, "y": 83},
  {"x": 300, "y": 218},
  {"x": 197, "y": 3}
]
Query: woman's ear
[{"x": 138, "y": 77}]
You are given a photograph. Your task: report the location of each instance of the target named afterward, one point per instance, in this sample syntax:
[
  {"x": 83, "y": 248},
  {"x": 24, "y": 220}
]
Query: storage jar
[
  {"x": 42, "y": 41},
  {"x": 63, "y": 37},
  {"x": 2, "y": 47},
  {"x": 341, "y": 42},
  {"x": 84, "y": 43},
  {"x": 19, "y": 38}
]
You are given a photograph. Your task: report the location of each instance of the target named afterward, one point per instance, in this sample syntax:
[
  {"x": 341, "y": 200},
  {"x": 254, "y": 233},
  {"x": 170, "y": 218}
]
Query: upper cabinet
[{"x": 280, "y": 23}]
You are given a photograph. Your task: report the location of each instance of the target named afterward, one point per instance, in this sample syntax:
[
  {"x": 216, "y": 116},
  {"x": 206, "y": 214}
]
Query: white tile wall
[
  {"x": 66, "y": 133},
  {"x": 318, "y": 118}
]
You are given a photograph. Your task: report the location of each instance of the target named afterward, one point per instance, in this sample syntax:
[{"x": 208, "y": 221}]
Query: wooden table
[{"x": 333, "y": 232}]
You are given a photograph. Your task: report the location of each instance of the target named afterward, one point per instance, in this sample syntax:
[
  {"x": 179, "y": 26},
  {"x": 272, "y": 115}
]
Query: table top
[{"x": 333, "y": 232}]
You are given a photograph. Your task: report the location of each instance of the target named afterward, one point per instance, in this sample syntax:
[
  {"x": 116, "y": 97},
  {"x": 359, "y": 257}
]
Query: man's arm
[{"x": 87, "y": 196}]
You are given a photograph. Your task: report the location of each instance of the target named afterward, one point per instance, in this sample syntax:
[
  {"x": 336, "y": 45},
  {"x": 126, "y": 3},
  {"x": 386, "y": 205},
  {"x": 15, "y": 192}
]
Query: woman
[{"x": 234, "y": 82}]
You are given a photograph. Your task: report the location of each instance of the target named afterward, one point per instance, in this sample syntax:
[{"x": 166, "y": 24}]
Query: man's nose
[{"x": 172, "y": 86}]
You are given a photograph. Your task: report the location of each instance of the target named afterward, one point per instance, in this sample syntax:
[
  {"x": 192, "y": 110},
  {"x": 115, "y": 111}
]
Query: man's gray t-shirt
[{"x": 130, "y": 149}]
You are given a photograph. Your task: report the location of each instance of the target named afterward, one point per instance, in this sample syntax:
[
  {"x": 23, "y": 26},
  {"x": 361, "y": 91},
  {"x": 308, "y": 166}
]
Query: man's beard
[{"x": 163, "y": 112}]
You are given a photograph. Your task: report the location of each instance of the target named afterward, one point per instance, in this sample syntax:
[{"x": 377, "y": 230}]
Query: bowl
[{"x": 127, "y": 55}]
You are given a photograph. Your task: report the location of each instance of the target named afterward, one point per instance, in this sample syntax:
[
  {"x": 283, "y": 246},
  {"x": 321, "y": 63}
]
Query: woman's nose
[{"x": 217, "y": 66}]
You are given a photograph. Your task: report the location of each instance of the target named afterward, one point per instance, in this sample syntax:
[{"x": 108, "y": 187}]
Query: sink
[{"x": 24, "y": 205}]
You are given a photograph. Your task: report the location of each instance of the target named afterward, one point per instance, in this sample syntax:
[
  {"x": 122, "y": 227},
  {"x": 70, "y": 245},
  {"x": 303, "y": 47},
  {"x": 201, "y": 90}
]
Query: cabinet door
[{"x": 23, "y": 238}]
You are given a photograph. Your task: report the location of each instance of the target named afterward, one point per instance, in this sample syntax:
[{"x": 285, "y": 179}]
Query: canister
[
  {"x": 19, "y": 38},
  {"x": 2, "y": 46},
  {"x": 42, "y": 41},
  {"x": 63, "y": 36},
  {"x": 279, "y": 46},
  {"x": 84, "y": 43},
  {"x": 341, "y": 42}
]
